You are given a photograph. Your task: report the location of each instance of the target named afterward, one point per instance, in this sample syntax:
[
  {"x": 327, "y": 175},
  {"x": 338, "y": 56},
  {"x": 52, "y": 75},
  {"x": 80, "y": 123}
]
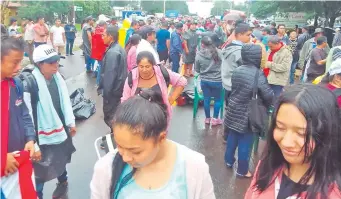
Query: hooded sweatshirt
[
  {"x": 231, "y": 59},
  {"x": 207, "y": 67}
]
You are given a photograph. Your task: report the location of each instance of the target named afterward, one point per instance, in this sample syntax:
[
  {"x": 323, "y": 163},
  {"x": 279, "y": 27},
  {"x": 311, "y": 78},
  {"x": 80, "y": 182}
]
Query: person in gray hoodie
[
  {"x": 231, "y": 59},
  {"x": 207, "y": 64}
]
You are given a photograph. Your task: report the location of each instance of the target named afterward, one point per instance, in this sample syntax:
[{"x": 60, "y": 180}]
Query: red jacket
[{"x": 98, "y": 46}]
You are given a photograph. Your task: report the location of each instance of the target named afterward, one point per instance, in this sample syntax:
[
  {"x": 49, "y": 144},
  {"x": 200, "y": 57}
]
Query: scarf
[
  {"x": 5, "y": 98},
  {"x": 50, "y": 128},
  {"x": 22, "y": 179},
  {"x": 270, "y": 58}
]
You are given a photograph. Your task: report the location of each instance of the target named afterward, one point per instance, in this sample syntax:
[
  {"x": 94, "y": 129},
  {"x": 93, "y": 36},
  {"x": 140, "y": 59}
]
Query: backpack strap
[
  {"x": 19, "y": 87},
  {"x": 31, "y": 87},
  {"x": 130, "y": 78},
  {"x": 164, "y": 72},
  {"x": 337, "y": 92}
]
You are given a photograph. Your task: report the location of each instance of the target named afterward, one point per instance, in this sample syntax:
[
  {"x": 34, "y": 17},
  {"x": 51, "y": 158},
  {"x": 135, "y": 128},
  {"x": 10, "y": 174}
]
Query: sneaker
[
  {"x": 67, "y": 54},
  {"x": 229, "y": 165},
  {"x": 216, "y": 121},
  {"x": 207, "y": 120},
  {"x": 72, "y": 54},
  {"x": 61, "y": 190}
]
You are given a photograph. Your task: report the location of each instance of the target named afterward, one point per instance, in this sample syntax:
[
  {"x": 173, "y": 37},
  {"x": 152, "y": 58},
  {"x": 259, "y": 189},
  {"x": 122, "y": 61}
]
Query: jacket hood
[
  {"x": 205, "y": 53},
  {"x": 229, "y": 49},
  {"x": 251, "y": 55}
]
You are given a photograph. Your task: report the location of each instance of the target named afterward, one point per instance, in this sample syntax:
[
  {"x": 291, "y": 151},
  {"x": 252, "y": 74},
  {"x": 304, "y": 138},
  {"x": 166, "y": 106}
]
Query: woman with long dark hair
[
  {"x": 149, "y": 75},
  {"x": 146, "y": 164},
  {"x": 208, "y": 64},
  {"x": 303, "y": 154}
]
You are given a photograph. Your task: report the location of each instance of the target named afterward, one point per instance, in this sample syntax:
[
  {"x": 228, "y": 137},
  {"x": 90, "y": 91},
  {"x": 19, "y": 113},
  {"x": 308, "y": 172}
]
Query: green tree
[
  {"x": 326, "y": 9},
  {"x": 156, "y": 6},
  {"x": 219, "y": 7},
  {"x": 63, "y": 9},
  {"x": 47, "y": 9}
]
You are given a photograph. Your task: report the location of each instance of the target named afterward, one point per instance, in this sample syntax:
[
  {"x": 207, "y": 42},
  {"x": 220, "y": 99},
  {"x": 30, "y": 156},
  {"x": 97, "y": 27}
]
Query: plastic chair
[{"x": 198, "y": 96}]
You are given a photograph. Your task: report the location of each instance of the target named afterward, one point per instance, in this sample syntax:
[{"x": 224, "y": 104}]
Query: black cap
[
  {"x": 179, "y": 26},
  {"x": 145, "y": 30},
  {"x": 89, "y": 18},
  {"x": 12, "y": 20}
]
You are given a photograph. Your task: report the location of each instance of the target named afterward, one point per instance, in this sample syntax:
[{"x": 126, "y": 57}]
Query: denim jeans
[
  {"x": 98, "y": 70},
  {"x": 89, "y": 62},
  {"x": 244, "y": 143},
  {"x": 69, "y": 46},
  {"x": 211, "y": 90},
  {"x": 40, "y": 185},
  {"x": 277, "y": 90},
  {"x": 292, "y": 72},
  {"x": 175, "y": 62}
]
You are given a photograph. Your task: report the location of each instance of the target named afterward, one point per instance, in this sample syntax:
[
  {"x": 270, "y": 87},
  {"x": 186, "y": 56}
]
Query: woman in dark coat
[{"x": 237, "y": 116}]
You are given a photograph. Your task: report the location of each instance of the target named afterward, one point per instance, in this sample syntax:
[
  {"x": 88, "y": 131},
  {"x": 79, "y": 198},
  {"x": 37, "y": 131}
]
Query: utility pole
[{"x": 164, "y": 7}]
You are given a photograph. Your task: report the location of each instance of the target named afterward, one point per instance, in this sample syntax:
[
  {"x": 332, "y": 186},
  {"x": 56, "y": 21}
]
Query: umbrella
[{"x": 232, "y": 16}]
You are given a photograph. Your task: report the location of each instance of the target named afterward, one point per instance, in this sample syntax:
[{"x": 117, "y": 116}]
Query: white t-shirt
[
  {"x": 144, "y": 45},
  {"x": 57, "y": 35},
  {"x": 29, "y": 33}
]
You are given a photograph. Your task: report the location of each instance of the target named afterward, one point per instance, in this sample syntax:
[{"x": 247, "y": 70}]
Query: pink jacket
[
  {"x": 131, "y": 58},
  {"x": 198, "y": 178},
  {"x": 272, "y": 191},
  {"x": 175, "y": 80}
]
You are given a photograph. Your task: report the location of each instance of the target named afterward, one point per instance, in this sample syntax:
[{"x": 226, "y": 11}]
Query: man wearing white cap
[
  {"x": 53, "y": 120},
  {"x": 335, "y": 79},
  {"x": 337, "y": 38}
]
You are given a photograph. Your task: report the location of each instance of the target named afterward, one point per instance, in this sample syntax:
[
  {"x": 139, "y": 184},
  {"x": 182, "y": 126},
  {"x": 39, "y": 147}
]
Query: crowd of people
[{"x": 254, "y": 67}]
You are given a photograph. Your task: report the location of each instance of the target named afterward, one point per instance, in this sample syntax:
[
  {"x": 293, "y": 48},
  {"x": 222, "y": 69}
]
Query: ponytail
[
  {"x": 147, "y": 114},
  {"x": 117, "y": 168}
]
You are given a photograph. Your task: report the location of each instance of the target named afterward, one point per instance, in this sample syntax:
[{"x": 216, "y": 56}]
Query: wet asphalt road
[{"x": 185, "y": 130}]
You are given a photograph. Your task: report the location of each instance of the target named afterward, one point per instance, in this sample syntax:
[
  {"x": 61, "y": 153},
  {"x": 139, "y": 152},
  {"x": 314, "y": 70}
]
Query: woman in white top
[{"x": 147, "y": 164}]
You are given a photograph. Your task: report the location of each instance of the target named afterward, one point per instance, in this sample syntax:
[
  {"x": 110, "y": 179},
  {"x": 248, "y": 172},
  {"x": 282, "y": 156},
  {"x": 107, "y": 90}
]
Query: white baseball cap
[
  {"x": 335, "y": 67},
  {"x": 45, "y": 53}
]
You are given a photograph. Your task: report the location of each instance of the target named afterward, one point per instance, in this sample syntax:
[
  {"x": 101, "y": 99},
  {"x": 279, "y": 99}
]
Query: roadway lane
[{"x": 183, "y": 129}]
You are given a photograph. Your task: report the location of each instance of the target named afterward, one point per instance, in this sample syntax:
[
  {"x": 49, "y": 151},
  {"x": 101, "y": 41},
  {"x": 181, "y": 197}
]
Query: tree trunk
[{"x": 332, "y": 21}]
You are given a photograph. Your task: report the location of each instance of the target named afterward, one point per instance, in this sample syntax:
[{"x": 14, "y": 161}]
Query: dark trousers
[
  {"x": 69, "y": 46},
  {"x": 109, "y": 108},
  {"x": 211, "y": 90},
  {"x": 244, "y": 143},
  {"x": 292, "y": 72},
  {"x": 36, "y": 44},
  {"x": 163, "y": 55},
  {"x": 226, "y": 129},
  {"x": 40, "y": 185},
  {"x": 175, "y": 62}
]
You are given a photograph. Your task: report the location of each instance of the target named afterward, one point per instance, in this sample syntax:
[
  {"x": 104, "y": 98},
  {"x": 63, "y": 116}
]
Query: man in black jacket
[{"x": 113, "y": 75}]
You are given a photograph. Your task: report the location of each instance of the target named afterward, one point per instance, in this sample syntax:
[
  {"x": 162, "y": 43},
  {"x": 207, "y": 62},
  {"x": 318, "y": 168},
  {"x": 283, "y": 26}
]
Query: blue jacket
[
  {"x": 21, "y": 129},
  {"x": 175, "y": 44}
]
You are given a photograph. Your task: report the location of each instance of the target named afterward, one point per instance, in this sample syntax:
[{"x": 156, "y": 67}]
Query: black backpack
[
  {"x": 164, "y": 72},
  {"x": 30, "y": 86},
  {"x": 337, "y": 92}
]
